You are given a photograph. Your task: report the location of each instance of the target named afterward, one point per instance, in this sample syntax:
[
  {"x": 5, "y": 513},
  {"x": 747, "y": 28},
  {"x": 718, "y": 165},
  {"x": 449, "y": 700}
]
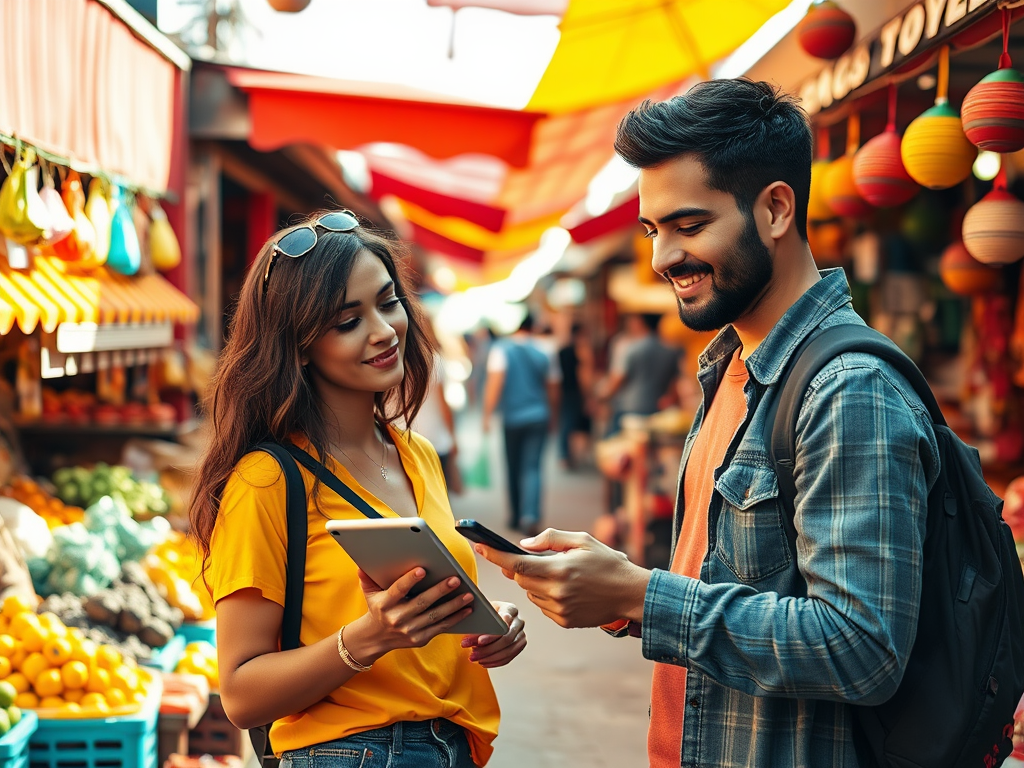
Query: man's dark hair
[
  {"x": 527, "y": 324},
  {"x": 746, "y": 135}
]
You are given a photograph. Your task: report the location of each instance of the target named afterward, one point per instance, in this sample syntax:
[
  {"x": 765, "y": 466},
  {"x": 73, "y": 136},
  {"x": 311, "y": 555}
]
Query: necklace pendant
[{"x": 384, "y": 472}]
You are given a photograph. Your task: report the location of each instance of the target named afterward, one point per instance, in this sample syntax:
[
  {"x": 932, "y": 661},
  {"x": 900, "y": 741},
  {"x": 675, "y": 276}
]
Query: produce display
[
  {"x": 77, "y": 406},
  {"x": 174, "y": 566},
  {"x": 201, "y": 659},
  {"x": 52, "y": 509},
  {"x": 129, "y": 615},
  {"x": 58, "y": 670},
  {"x": 78, "y": 485},
  {"x": 85, "y": 557},
  {"x": 10, "y": 715}
]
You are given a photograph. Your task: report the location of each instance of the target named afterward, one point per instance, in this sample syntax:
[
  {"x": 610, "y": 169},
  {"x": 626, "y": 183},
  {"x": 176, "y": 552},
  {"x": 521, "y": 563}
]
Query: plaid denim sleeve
[{"x": 866, "y": 460}]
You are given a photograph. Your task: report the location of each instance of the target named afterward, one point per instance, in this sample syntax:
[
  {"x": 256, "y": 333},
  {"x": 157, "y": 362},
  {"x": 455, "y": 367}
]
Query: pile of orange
[
  {"x": 53, "y": 667},
  {"x": 54, "y": 511}
]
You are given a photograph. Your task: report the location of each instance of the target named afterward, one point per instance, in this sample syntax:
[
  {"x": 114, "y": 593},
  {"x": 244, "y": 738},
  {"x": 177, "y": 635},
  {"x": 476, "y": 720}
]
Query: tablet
[{"x": 387, "y": 548}]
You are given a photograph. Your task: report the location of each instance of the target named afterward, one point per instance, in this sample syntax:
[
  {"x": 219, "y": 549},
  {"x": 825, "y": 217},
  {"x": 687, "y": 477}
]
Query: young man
[{"x": 759, "y": 656}]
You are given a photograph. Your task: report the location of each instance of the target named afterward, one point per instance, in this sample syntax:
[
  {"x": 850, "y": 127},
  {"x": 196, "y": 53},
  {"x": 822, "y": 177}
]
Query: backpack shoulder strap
[
  {"x": 331, "y": 480},
  {"x": 820, "y": 348},
  {"x": 295, "y": 571}
]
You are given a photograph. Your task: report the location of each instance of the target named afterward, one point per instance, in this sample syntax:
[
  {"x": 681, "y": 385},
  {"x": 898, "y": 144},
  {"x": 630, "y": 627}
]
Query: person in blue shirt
[
  {"x": 776, "y": 649},
  {"x": 523, "y": 380}
]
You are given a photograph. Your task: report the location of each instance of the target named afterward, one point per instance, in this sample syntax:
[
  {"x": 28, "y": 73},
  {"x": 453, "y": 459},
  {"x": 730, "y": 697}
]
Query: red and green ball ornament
[
  {"x": 993, "y": 110},
  {"x": 878, "y": 171},
  {"x": 826, "y": 31}
]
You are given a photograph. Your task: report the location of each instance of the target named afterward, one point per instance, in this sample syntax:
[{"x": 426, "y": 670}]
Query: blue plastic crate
[
  {"x": 167, "y": 657},
  {"x": 14, "y": 743},
  {"x": 129, "y": 741},
  {"x": 194, "y": 632}
]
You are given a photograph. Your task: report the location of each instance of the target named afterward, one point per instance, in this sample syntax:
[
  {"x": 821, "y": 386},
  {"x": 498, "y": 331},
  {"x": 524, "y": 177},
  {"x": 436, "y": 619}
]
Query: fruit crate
[
  {"x": 194, "y": 632},
  {"x": 129, "y": 741},
  {"x": 14, "y": 743},
  {"x": 214, "y": 734},
  {"x": 166, "y": 658}
]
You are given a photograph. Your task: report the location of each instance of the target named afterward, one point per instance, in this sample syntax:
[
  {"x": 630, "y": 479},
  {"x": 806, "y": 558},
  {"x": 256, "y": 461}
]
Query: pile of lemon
[
  {"x": 200, "y": 658},
  {"x": 175, "y": 567},
  {"x": 49, "y": 666}
]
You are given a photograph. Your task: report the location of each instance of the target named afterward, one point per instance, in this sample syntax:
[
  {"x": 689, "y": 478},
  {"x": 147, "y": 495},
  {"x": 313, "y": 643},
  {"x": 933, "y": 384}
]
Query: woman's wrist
[{"x": 362, "y": 643}]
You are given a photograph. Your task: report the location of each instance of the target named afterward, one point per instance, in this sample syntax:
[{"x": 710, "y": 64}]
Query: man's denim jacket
[{"x": 776, "y": 650}]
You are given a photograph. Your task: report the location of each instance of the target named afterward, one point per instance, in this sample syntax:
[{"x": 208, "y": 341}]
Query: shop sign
[{"x": 922, "y": 26}]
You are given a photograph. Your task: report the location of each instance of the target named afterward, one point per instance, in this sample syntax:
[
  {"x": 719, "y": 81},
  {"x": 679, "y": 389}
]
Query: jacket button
[
  {"x": 746, "y": 494},
  {"x": 695, "y": 702}
]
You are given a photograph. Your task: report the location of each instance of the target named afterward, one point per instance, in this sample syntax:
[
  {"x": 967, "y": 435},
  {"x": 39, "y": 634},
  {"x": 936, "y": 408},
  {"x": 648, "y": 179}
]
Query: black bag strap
[
  {"x": 813, "y": 354},
  {"x": 331, "y": 480}
]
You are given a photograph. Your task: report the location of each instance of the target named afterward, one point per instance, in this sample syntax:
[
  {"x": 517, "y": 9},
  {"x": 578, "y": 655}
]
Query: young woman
[{"x": 326, "y": 349}]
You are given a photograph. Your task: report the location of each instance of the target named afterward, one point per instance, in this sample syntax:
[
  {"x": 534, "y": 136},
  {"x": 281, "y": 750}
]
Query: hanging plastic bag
[
  {"x": 125, "y": 254},
  {"x": 97, "y": 208},
  {"x": 80, "y": 244},
  {"x": 163, "y": 244},
  {"x": 61, "y": 223},
  {"x": 23, "y": 215},
  {"x": 478, "y": 473}
]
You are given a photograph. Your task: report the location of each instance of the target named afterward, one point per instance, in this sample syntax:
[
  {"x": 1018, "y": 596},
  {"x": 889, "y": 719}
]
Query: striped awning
[{"x": 51, "y": 293}]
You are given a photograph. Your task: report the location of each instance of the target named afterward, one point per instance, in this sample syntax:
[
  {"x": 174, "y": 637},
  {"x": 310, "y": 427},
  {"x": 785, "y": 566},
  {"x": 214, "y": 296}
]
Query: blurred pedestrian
[
  {"x": 326, "y": 353},
  {"x": 575, "y": 364},
  {"x": 523, "y": 379},
  {"x": 643, "y": 371}
]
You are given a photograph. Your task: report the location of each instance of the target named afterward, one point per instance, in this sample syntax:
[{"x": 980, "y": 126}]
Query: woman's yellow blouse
[{"x": 249, "y": 549}]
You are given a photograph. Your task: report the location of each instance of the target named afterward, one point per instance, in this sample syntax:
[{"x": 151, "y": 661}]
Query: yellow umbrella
[{"x": 616, "y": 49}]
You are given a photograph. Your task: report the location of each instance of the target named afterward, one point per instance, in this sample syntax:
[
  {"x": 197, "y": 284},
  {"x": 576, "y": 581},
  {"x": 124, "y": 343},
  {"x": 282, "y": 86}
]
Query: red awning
[
  {"x": 619, "y": 217},
  {"x": 435, "y": 242},
  {"x": 486, "y": 216},
  {"x": 289, "y": 109}
]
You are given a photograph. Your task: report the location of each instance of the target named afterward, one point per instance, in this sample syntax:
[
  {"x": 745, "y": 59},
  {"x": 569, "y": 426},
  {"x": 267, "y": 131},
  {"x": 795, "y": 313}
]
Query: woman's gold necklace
[{"x": 383, "y": 460}]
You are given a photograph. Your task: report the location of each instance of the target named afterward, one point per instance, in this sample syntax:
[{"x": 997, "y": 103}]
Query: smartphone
[{"x": 481, "y": 534}]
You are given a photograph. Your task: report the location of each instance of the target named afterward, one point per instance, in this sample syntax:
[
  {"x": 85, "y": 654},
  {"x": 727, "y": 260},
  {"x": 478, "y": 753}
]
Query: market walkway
[{"x": 574, "y": 697}]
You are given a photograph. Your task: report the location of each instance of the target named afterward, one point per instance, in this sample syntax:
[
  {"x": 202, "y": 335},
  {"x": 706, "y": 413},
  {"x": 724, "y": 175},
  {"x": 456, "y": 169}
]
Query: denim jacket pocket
[{"x": 751, "y": 539}]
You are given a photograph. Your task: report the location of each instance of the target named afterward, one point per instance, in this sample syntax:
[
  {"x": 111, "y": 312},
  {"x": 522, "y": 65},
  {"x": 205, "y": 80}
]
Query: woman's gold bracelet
[{"x": 347, "y": 657}]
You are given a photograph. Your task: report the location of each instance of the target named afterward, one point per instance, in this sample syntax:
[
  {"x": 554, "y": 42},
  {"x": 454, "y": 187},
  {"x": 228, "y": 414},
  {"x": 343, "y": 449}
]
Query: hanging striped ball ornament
[
  {"x": 817, "y": 208},
  {"x": 878, "y": 172},
  {"x": 826, "y": 31},
  {"x": 935, "y": 151},
  {"x": 993, "y": 112},
  {"x": 993, "y": 228},
  {"x": 965, "y": 275},
  {"x": 840, "y": 192}
]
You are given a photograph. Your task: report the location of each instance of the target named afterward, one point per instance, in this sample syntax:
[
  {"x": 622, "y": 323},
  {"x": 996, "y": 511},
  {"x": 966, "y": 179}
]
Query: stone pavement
[{"x": 573, "y": 698}]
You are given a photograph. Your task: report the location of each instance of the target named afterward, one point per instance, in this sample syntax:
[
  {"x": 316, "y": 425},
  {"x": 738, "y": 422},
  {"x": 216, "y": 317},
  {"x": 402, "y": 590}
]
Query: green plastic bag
[{"x": 478, "y": 473}]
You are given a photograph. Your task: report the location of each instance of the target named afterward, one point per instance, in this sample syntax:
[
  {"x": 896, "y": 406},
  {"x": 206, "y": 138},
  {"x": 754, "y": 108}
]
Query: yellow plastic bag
[
  {"x": 23, "y": 215},
  {"x": 97, "y": 208},
  {"x": 163, "y": 244}
]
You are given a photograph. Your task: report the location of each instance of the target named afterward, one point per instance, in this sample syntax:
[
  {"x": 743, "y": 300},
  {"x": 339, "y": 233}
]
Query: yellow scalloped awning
[{"x": 51, "y": 293}]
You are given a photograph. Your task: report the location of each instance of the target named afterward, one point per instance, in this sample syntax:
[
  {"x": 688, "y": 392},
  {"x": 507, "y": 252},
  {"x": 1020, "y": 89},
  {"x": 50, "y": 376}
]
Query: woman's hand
[
  {"x": 498, "y": 650},
  {"x": 394, "y": 622}
]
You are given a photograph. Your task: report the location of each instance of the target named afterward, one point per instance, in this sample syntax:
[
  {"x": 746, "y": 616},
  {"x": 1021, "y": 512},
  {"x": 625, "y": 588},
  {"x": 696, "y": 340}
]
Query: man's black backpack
[{"x": 955, "y": 704}]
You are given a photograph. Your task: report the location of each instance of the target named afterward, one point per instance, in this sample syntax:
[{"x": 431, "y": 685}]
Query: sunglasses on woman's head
[{"x": 300, "y": 241}]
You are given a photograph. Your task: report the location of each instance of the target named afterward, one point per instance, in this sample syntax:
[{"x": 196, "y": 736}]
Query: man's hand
[{"x": 586, "y": 585}]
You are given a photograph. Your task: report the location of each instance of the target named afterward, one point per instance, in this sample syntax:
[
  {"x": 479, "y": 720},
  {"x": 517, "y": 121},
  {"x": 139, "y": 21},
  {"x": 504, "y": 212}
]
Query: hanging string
[
  {"x": 824, "y": 143},
  {"x": 853, "y": 133},
  {"x": 891, "y": 123},
  {"x": 942, "y": 89},
  {"x": 1004, "y": 59}
]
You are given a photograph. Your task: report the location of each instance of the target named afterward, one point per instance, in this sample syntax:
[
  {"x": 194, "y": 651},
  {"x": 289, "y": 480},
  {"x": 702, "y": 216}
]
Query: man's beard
[{"x": 736, "y": 282}]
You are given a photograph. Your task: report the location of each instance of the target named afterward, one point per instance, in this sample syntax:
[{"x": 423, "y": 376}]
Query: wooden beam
[{"x": 256, "y": 181}]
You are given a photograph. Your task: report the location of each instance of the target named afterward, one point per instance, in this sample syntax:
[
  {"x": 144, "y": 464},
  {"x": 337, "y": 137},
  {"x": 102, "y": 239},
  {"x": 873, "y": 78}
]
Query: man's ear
[{"x": 778, "y": 203}]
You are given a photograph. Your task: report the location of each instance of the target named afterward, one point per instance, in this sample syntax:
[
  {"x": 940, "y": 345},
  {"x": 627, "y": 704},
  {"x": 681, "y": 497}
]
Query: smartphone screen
[{"x": 481, "y": 534}]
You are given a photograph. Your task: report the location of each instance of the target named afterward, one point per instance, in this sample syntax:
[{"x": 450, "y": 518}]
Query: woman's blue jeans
[{"x": 428, "y": 744}]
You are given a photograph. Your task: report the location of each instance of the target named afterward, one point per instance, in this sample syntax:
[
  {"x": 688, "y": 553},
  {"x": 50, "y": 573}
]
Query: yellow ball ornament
[
  {"x": 840, "y": 192},
  {"x": 817, "y": 208},
  {"x": 935, "y": 151}
]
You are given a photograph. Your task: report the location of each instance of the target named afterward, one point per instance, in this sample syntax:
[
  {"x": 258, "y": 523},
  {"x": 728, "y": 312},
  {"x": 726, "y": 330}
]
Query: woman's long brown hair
[{"x": 261, "y": 391}]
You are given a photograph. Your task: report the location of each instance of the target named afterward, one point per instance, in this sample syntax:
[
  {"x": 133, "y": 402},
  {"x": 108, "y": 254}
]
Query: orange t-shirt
[{"x": 723, "y": 417}]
